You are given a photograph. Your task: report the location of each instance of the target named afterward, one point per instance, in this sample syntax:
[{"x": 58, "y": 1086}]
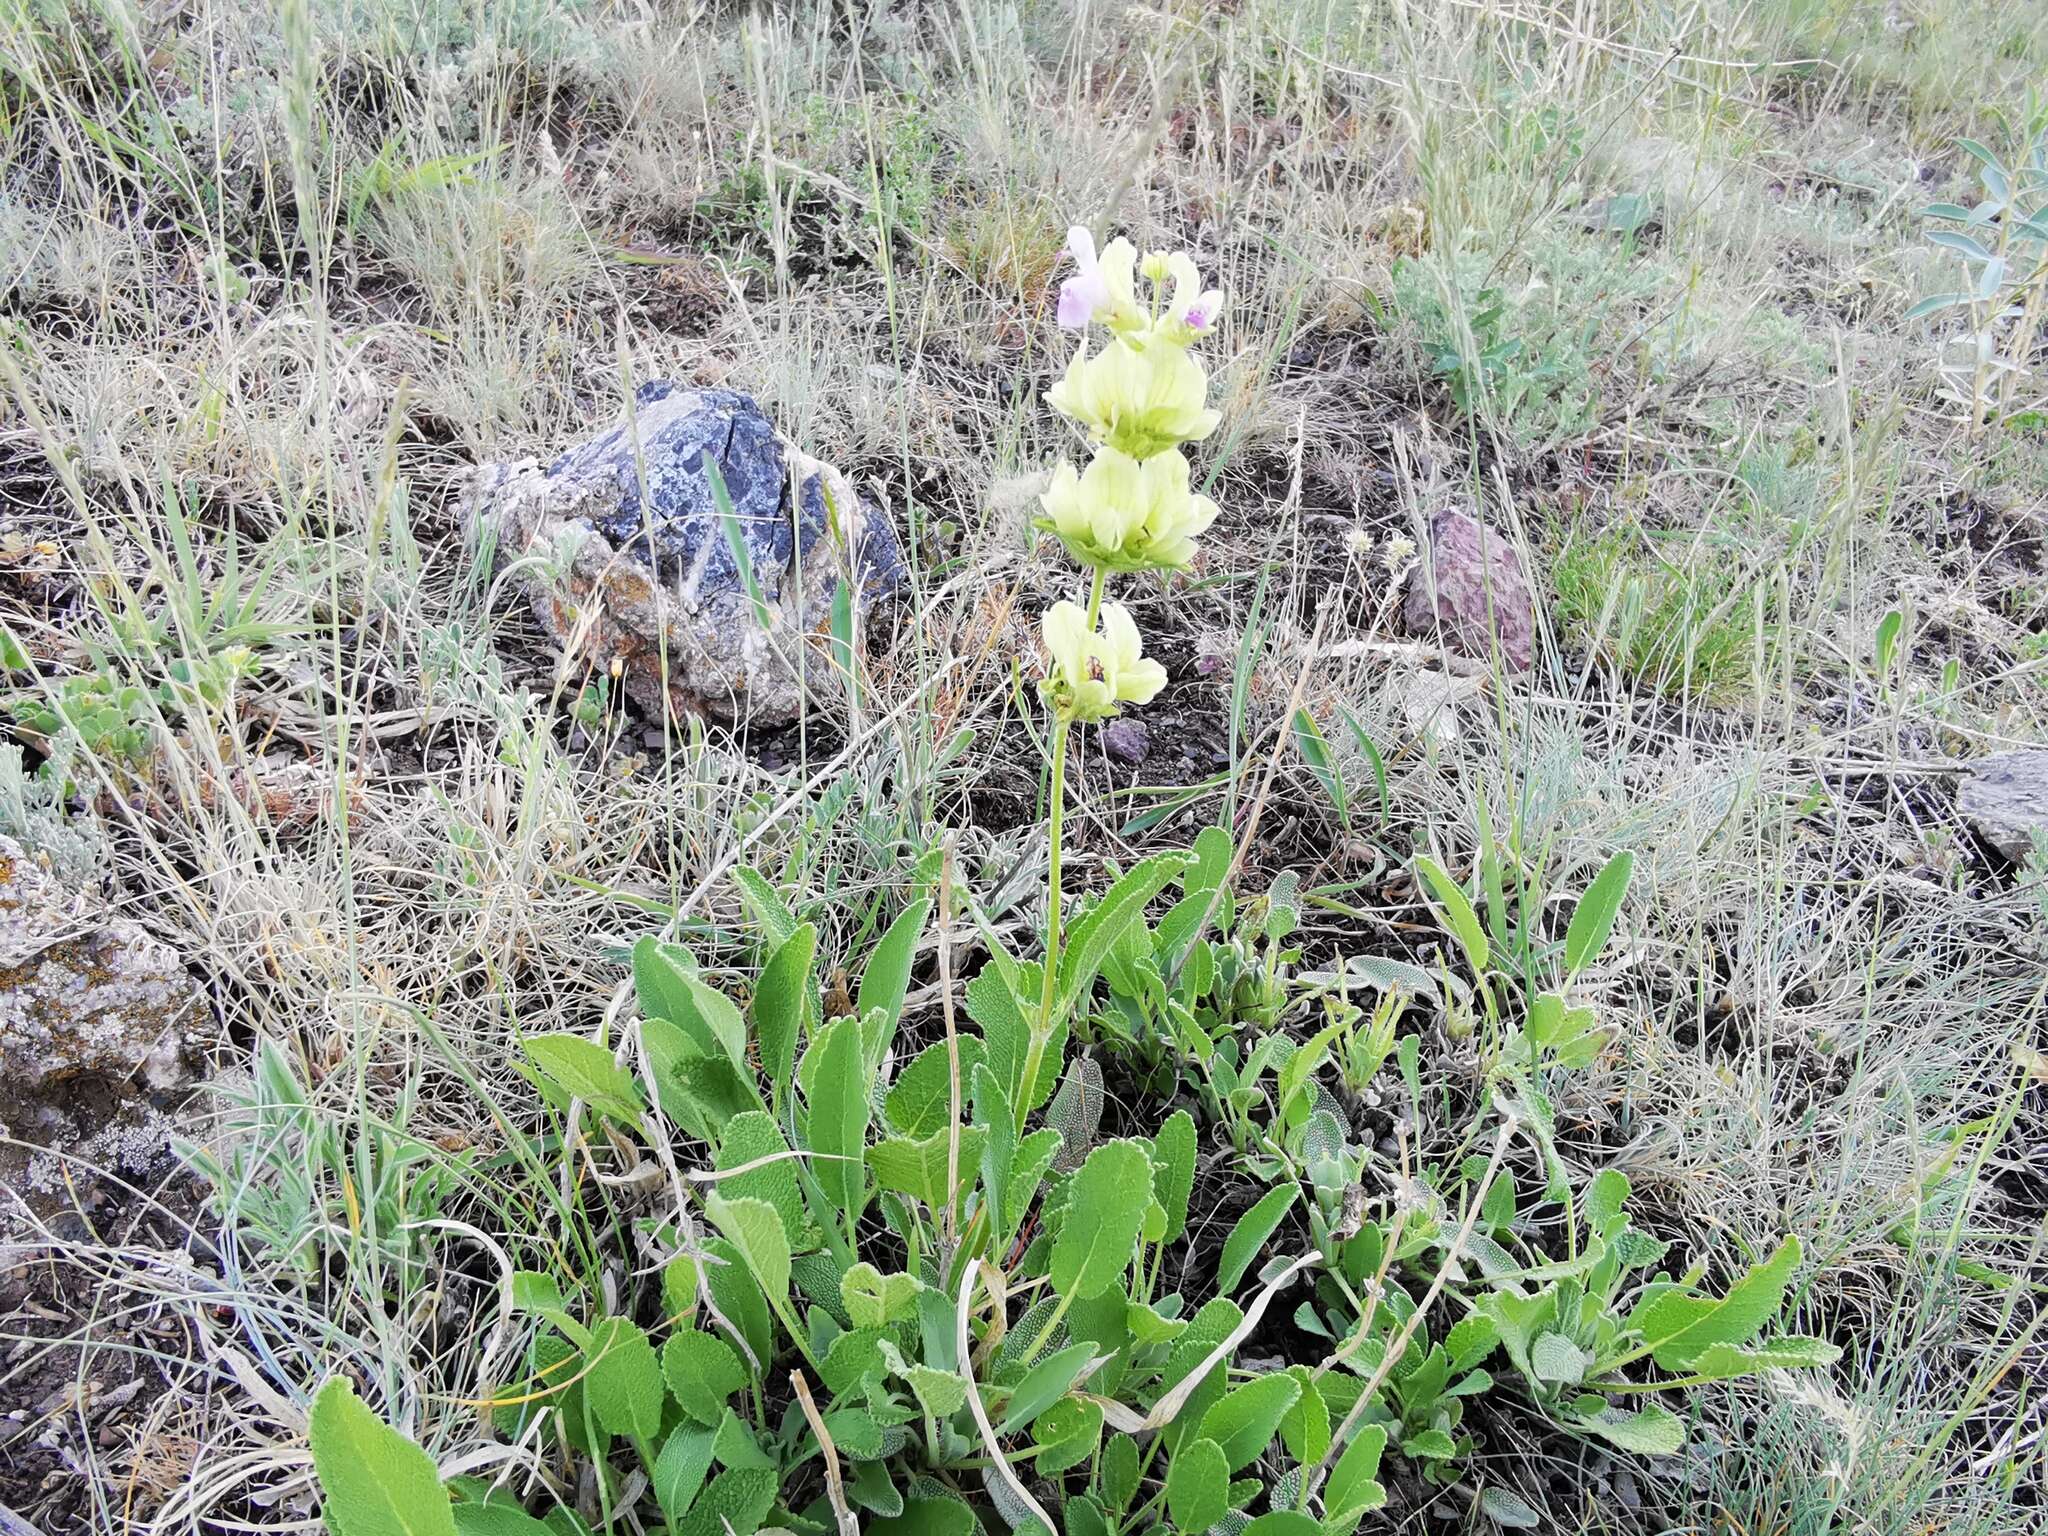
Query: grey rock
[
  {"x": 622, "y": 550},
  {"x": 1126, "y": 740},
  {"x": 1469, "y": 589},
  {"x": 2006, "y": 798},
  {"x": 94, "y": 1011}
]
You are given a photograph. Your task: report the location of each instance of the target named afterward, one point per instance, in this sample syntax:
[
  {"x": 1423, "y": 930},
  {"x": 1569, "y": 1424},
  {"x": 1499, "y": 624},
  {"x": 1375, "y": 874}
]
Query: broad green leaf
[
  {"x": 1066, "y": 1434},
  {"x": 1103, "y": 1218},
  {"x": 1305, "y": 1428},
  {"x": 887, "y": 977},
  {"x": 1430, "y": 1445},
  {"x": 839, "y": 1110},
  {"x": 1244, "y": 1420},
  {"x": 495, "y": 1519},
  {"x": 1045, "y": 1384},
  {"x": 733, "y": 1444},
  {"x": 1282, "y": 1522},
  {"x": 755, "y": 1231},
  {"x": 784, "y": 998},
  {"x": 659, "y": 973},
  {"x": 764, "y": 904},
  {"x": 1097, "y": 930},
  {"x": 540, "y": 1294},
  {"x": 1353, "y": 1480},
  {"x": 622, "y": 1380},
  {"x": 1117, "y": 1480},
  {"x": 922, "y": 1099},
  {"x": 874, "y": 1299},
  {"x": 1649, "y": 1431},
  {"x": 855, "y": 1357},
  {"x": 940, "y": 1393},
  {"x": 1006, "y": 1032},
  {"x": 696, "y": 1087},
  {"x": 1251, "y": 1233},
  {"x": 918, "y": 1168},
  {"x": 1593, "y": 918},
  {"x": 585, "y": 1069},
  {"x": 927, "y": 1517},
  {"x": 375, "y": 1481},
  {"x": 1680, "y": 1326},
  {"x": 680, "y": 1469},
  {"x": 702, "y": 1372},
  {"x": 1508, "y": 1510},
  {"x": 1173, "y": 1171},
  {"x": 1558, "y": 1360},
  {"x": 1605, "y": 1198},
  {"x": 997, "y": 1121},
  {"x": 753, "y": 1138},
  {"x": 732, "y": 1288},
  {"x": 1198, "y": 1485},
  {"x": 736, "y": 1502}
]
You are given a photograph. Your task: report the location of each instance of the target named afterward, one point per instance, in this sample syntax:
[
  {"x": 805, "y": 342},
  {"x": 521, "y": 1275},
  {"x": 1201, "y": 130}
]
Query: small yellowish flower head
[
  {"x": 1092, "y": 674},
  {"x": 1124, "y": 515},
  {"x": 1138, "y": 399}
]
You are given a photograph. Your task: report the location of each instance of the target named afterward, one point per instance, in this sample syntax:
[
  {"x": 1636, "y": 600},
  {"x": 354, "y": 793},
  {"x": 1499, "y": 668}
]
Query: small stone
[
  {"x": 95, "y": 1016},
  {"x": 2006, "y": 798},
  {"x": 1126, "y": 740},
  {"x": 1468, "y": 590},
  {"x": 624, "y": 552}
]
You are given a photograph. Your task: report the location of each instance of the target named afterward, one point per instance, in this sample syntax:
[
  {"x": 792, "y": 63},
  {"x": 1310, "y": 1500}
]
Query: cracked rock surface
[
  {"x": 96, "y": 1018},
  {"x": 626, "y": 555}
]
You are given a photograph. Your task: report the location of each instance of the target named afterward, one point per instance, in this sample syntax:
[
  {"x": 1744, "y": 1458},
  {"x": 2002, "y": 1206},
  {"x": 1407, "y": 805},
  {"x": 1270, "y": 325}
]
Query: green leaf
[
  {"x": 496, "y": 1519},
  {"x": 1721, "y": 1362},
  {"x": 1681, "y": 1326},
  {"x": 873, "y": 1299},
  {"x": 921, "y": 1101},
  {"x": 1173, "y": 1171},
  {"x": 928, "y": 1517},
  {"x": 1198, "y": 1485},
  {"x": 737, "y": 1501},
  {"x": 695, "y": 1086},
  {"x": 1282, "y": 1522},
  {"x": 1244, "y": 1419},
  {"x": 1250, "y": 1234},
  {"x": 918, "y": 1168},
  {"x": 375, "y": 1481},
  {"x": 887, "y": 977},
  {"x": 783, "y": 998},
  {"x": 1458, "y": 911},
  {"x": 1305, "y": 1428},
  {"x": 540, "y": 1294},
  {"x": 755, "y": 1232},
  {"x": 1096, "y": 932},
  {"x": 680, "y": 1469},
  {"x": 1100, "y": 1232},
  {"x": 702, "y": 1371},
  {"x": 1308, "y": 741},
  {"x": 1067, "y": 1434},
  {"x": 1593, "y": 918},
  {"x": 1353, "y": 1481},
  {"x": 1045, "y": 1384},
  {"x": 585, "y": 1069},
  {"x": 1556, "y": 1359},
  {"x": 1507, "y": 1510},
  {"x": 940, "y": 1393},
  {"x": 622, "y": 1382},
  {"x": 753, "y": 1137},
  {"x": 1650, "y": 1431},
  {"x": 839, "y": 1110}
]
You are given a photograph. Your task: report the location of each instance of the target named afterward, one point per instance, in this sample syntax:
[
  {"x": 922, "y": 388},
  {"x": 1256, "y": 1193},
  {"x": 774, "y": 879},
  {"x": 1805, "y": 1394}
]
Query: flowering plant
[{"x": 1140, "y": 397}]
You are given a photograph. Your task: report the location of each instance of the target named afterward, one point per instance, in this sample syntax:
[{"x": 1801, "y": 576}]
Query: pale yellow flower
[
  {"x": 1125, "y": 515},
  {"x": 1140, "y": 400},
  {"x": 1092, "y": 673}
]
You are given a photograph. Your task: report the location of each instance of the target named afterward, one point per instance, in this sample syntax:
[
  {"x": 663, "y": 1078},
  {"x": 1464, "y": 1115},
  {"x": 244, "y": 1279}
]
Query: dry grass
[{"x": 276, "y": 279}]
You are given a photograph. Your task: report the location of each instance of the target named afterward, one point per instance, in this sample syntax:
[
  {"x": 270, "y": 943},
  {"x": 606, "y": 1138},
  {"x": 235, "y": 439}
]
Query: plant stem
[{"x": 1041, "y": 1033}]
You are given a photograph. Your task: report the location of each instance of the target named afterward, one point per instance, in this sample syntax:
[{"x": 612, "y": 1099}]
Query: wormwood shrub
[{"x": 917, "y": 1291}]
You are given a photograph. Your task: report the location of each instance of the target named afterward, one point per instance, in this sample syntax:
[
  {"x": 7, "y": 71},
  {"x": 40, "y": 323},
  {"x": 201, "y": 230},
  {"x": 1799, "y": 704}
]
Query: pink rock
[{"x": 1468, "y": 590}]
